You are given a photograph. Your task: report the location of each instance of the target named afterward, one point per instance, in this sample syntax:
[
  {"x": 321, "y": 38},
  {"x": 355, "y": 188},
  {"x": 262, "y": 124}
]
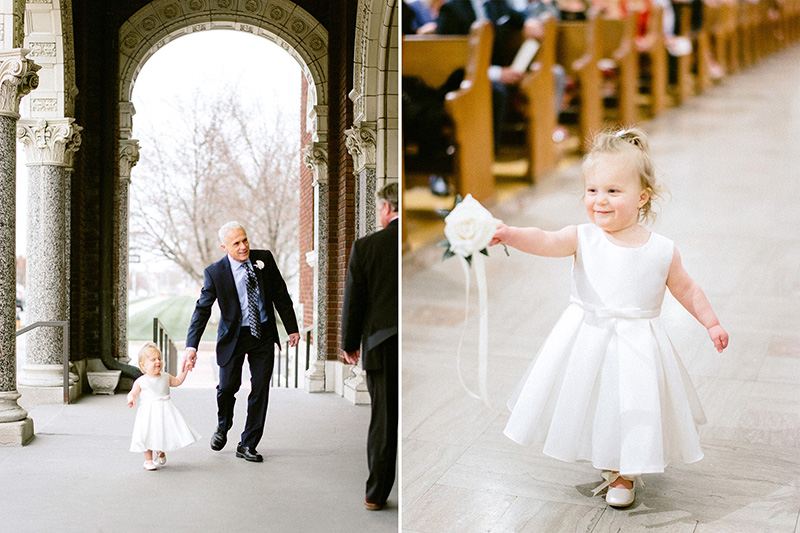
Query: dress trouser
[
  {"x": 382, "y": 436},
  {"x": 261, "y": 358}
]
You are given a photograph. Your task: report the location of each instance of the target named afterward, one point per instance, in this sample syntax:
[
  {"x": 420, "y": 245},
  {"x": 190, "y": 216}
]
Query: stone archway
[
  {"x": 373, "y": 139},
  {"x": 280, "y": 21}
]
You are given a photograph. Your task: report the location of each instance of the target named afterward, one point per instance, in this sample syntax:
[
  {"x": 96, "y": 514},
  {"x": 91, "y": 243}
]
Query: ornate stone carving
[
  {"x": 316, "y": 44},
  {"x": 316, "y": 158},
  {"x": 252, "y": 6},
  {"x": 224, "y": 4},
  {"x": 298, "y": 26},
  {"x": 361, "y": 142},
  {"x": 51, "y": 142},
  {"x": 128, "y": 157},
  {"x": 46, "y": 105},
  {"x": 196, "y": 5},
  {"x": 42, "y": 49},
  {"x": 171, "y": 11},
  {"x": 277, "y": 13},
  {"x": 149, "y": 23},
  {"x": 19, "y": 23},
  {"x": 17, "y": 78}
]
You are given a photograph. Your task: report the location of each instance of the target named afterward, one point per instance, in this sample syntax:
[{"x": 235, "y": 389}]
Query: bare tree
[{"x": 218, "y": 160}]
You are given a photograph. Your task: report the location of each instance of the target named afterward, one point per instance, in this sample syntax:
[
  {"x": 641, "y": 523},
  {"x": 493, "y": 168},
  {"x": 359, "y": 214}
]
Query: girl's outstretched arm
[
  {"x": 692, "y": 297},
  {"x": 561, "y": 243},
  {"x": 175, "y": 381},
  {"x": 133, "y": 394}
]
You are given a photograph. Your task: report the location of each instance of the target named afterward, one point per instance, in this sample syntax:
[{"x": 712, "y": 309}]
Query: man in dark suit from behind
[
  {"x": 248, "y": 287},
  {"x": 369, "y": 323}
]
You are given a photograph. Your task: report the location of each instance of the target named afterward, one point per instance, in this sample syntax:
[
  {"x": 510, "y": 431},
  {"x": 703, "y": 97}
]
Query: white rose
[
  {"x": 469, "y": 227},
  {"x": 259, "y": 264}
]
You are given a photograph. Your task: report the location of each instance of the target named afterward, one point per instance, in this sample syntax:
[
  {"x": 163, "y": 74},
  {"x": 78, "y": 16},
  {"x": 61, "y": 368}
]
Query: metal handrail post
[{"x": 64, "y": 325}]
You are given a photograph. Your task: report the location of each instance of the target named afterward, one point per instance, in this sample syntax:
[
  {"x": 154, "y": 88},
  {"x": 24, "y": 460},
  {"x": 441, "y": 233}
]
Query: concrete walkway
[
  {"x": 730, "y": 159},
  {"x": 78, "y": 475}
]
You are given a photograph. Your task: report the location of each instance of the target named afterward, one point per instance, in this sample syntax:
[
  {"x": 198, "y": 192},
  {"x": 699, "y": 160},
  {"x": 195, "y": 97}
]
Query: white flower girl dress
[
  {"x": 607, "y": 385},
  {"x": 159, "y": 424}
]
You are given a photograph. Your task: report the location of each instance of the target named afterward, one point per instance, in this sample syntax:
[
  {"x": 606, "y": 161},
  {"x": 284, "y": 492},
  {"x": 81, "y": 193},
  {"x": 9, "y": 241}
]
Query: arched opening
[
  {"x": 302, "y": 37},
  {"x": 218, "y": 121}
]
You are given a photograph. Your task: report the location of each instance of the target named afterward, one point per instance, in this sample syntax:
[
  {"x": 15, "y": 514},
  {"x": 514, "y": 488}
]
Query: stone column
[
  {"x": 361, "y": 143},
  {"x": 49, "y": 147},
  {"x": 17, "y": 78},
  {"x": 316, "y": 158},
  {"x": 128, "y": 157}
]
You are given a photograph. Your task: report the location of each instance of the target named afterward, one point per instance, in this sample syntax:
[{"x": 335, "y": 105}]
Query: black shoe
[
  {"x": 218, "y": 439},
  {"x": 248, "y": 454}
]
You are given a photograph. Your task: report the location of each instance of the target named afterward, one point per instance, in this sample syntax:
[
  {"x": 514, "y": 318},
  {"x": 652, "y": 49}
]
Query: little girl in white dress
[
  {"x": 159, "y": 426},
  {"x": 607, "y": 385}
]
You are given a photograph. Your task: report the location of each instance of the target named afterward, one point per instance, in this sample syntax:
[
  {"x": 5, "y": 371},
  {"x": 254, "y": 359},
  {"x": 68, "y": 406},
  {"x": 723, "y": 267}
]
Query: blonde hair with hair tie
[
  {"x": 146, "y": 349},
  {"x": 611, "y": 142}
]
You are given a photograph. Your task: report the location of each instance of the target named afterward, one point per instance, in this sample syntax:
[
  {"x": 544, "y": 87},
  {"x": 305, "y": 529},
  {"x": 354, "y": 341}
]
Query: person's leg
[
  {"x": 230, "y": 379},
  {"x": 261, "y": 358},
  {"x": 382, "y": 435}
]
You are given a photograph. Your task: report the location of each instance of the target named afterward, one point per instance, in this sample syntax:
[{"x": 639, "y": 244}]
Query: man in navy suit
[
  {"x": 248, "y": 287},
  {"x": 369, "y": 323}
]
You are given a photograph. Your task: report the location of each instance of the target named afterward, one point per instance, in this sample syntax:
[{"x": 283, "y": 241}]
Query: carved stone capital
[
  {"x": 128, "y": 157},
  {"x": 361, "y": 142},
  {"x": 49, "y": 142},
  {"x": 316, "y": 158},
  {"x": 17, "y": 78}
]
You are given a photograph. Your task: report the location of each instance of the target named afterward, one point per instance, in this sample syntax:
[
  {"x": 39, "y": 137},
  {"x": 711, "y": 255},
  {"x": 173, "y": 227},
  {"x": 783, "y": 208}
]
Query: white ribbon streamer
[{"x": 483, "y": 328}]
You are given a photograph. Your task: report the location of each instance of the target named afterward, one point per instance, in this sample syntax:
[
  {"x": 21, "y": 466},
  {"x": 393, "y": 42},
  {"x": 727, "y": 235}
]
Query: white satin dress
[
  {"x": 607, "y": 385},
  {"x": 159, "y": 424}
]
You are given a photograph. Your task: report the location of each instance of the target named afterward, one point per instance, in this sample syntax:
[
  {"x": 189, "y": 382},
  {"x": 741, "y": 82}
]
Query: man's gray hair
[
  {"x": 223, "y": 231},
  {"x": 389, "y": 195}
]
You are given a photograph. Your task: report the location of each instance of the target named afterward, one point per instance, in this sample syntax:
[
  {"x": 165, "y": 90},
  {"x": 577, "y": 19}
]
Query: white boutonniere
[{"x": 259, "y": 264}]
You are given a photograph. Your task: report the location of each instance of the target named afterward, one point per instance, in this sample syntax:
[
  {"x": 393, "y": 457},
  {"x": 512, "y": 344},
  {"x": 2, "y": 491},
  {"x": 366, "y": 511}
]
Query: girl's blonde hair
[
  {"x": 615, "y": 142},
  {"x": 146, "y": 349}
]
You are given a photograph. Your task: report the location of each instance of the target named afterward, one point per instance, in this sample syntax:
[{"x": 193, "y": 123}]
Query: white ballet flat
[
  {"x": 150, "y": 465},
  {"x": 618, "y": 496},
  {"x": 160, "y": 459}
]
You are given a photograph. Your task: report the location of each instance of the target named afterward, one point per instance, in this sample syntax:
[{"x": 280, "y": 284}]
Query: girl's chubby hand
[
  {"x": 719, "y": 337},
  {"x": 501, "y": 235}
]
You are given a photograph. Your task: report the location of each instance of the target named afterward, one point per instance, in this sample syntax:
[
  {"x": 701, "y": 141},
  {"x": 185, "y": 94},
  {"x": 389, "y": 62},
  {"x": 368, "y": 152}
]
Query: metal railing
[
  {"x": 283, "y": 357},
  {"x": 64, "y": 325},
  {"x": 165, "y": 343}
]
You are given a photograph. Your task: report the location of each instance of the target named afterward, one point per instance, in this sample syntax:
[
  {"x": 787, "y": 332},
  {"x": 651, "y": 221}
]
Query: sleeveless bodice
[
  {"x": 615, "y": 281},
  {"x": 154, "y": 388}
]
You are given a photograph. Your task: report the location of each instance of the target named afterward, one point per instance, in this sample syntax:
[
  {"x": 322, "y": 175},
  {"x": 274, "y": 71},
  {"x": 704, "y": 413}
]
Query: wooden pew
[
  {"x": 433, "y": 58},
  {"x": 578, "y": 53},
  {"x": 655, "y": 59},
  {"x": 617, "y": 41},
  {"x": 745, "y": 20},
  {"x": 685, "y": 83},
  {"x": 538, "y": 87}
]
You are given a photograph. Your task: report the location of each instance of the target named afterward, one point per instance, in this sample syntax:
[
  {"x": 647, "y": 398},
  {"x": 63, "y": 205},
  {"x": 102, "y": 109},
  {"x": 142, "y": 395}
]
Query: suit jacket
[
  {"x": 369, "y": 317},
  {"x": 456, "y": 18},
  {"x": 218, "y": 285}
]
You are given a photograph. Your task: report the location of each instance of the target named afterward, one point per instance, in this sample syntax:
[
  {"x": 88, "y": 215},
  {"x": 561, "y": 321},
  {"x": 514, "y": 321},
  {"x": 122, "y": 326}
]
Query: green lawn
[{"x": 174, "y": 312}]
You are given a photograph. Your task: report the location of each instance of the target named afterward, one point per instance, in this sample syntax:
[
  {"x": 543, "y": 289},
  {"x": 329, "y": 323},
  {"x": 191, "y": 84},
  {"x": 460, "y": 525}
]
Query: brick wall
[
  {"x": 307, "y": 209},
  {"x": 342, "y": 208}
]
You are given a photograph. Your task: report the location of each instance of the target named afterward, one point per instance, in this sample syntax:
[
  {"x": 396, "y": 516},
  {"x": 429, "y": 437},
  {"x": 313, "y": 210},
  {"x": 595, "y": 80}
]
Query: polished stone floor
[
  {"x": 730, "y": 159},
  {"x": 78, "y": 475}
]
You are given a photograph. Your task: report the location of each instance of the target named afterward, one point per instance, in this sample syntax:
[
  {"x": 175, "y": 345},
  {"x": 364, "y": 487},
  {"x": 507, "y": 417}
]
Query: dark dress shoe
[
  {"x": 373, "y": 506},
  {"x": 248, "y": 454},
  {"x": 218, "y": 439}
]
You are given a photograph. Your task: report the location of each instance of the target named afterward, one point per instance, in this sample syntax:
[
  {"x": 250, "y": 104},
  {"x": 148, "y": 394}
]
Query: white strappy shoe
[
  {"x": 160, "y": 458},
  {"x": 618, "y": 496},
  {"x": 150, "y": 465}
]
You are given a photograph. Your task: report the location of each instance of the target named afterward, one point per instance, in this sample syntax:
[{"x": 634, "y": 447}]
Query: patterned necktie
[{"x": 252, "y": 301}]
